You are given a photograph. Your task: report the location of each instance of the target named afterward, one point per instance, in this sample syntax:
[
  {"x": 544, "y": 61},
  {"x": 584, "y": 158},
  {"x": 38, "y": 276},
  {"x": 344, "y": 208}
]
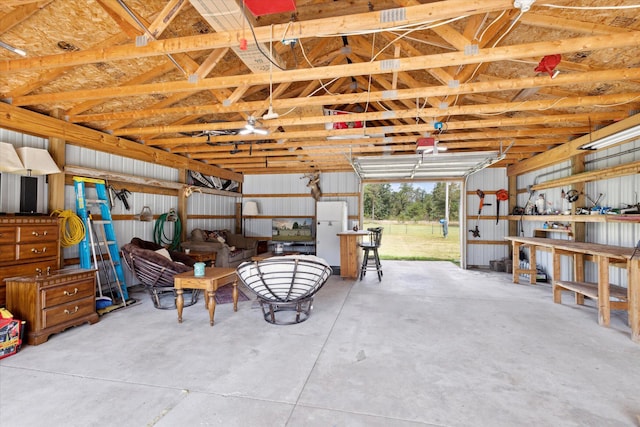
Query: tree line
[{"x": 382, "y": 202}]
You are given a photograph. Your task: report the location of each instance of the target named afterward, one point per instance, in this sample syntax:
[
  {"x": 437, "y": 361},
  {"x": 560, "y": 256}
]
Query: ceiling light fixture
[
  {"x": 250, "y": 128},
  {"x": 13, "y": 49},
  {"x": 612, "y": 139}
]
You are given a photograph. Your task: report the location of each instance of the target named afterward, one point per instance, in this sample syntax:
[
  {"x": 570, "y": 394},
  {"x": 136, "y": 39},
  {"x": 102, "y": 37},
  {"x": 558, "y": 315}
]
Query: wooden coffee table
[{"x": 214, "y": 278}]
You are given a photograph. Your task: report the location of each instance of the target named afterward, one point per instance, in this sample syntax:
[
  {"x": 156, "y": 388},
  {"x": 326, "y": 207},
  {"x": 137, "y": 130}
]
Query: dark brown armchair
[{"x": 155, "y": 267}]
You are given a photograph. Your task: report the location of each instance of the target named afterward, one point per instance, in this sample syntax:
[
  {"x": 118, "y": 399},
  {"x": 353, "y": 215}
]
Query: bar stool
[{"x": 370, "y": 257}]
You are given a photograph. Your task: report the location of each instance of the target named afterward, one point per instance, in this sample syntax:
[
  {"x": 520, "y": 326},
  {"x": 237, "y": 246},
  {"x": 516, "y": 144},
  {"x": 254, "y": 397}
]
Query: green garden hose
[{"x": 159, "y": 235}]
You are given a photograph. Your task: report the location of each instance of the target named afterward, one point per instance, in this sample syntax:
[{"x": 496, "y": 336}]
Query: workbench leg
[
  {"x": 515, "y": 262},
  {"x": 557, "y": 292},
  {"x": 633, "y": 290},
  {"x": 604, "y": 302},
  {"x": 578, "y": 274},
  {"x": 533, "y": 278}
]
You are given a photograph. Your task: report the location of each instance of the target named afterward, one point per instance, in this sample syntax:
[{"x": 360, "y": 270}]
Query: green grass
[{"x": 419, "y": 241}]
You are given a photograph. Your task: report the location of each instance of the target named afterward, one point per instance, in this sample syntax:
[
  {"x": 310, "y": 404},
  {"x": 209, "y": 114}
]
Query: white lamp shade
[
  {"x": 250, "y": 209},
  {"x": 36, "y": 161},
  {"x": 9, "y": 160}
]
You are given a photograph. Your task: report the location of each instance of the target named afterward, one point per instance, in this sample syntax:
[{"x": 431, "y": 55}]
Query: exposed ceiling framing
[{"x": 157, "y": 73}]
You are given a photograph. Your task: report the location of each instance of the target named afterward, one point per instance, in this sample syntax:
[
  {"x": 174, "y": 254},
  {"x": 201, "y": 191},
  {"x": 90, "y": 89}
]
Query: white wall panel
[{"x": 292, "y": 184}]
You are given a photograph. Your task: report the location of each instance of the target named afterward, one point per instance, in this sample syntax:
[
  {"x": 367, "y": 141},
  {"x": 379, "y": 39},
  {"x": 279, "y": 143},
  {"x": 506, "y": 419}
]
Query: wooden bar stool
[{"x": 370, "y": 257}]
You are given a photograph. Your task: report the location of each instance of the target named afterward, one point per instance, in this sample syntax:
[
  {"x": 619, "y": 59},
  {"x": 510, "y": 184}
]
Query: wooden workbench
[{"x": 603, "y": 256}]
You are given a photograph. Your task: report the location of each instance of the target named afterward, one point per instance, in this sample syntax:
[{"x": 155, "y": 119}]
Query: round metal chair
[
  {"x": 156, "y": 272},
  {"x": 285, "y": 284}
]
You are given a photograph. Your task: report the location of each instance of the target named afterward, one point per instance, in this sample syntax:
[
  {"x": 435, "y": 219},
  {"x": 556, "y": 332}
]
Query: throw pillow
[
  {"x": 215, "y": 235},
  {"x": 164, "y": 253}
]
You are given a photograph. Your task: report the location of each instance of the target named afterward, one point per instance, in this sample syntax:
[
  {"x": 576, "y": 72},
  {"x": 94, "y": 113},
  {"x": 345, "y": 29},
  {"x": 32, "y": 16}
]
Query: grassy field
[{"x": 418, "y": 241}]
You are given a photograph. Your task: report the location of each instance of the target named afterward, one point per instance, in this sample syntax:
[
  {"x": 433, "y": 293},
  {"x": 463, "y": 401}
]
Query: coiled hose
[
  {"x": 159, "y": 235},
  {"x": 72, "y": 226}
]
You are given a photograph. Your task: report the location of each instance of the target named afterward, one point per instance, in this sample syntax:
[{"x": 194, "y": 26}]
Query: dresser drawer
[
  {"x": 68, "y": 312},
  {"x": 8, "y": 253},
  {"x": 28, "y": 269},
  {"x": 37, "y": 250},
  {"x": 34, "y": 268},
  {"x": 7, "y": 235},
  {"x": 67, "y": 293},
  {"x": 37, "y": 233}
]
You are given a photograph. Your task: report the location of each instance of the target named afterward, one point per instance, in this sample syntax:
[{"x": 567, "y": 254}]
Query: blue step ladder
[{"x": 85, "y": 246}]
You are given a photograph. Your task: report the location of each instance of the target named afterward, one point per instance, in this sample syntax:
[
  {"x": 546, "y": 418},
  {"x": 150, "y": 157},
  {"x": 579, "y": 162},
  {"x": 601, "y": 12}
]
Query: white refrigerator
[{"x": 331, "y": 219}]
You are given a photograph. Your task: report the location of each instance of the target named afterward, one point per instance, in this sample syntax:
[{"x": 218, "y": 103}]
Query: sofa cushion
[{"x": 197, "y": 235}]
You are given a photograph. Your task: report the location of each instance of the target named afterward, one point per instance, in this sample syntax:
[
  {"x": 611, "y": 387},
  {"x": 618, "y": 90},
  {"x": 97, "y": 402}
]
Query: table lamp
[
  {"x": 30, "y": 161},
  {"x": 250, "y": 209}
]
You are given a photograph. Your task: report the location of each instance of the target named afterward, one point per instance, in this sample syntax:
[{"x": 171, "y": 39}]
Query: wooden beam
[
  {"x": 570, "y": 149},
  {"x": 374, "y": 68},
  {"x": 306, "y": 29},
  {"x": 413, "y": 93},
  {"x": 138, "y": 180},
  {"x": 381, "y": 115},
  {"x": 21, "y": 120}
]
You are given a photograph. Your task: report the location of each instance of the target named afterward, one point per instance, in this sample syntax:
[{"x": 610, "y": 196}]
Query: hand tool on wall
[
  {"x": 476, "y": 232},
  {"x": 531, "y": 192},
  {"x": 595, "y": 203},
  {"x": 122, "y": 195},
  {"x": 502, "y": 195},
  {"x": 111, "y": 192}
]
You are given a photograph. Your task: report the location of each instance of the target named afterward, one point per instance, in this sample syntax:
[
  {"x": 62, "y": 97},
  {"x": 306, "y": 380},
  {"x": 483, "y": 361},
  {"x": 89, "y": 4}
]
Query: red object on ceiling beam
[{"x": 262, "y": 7}]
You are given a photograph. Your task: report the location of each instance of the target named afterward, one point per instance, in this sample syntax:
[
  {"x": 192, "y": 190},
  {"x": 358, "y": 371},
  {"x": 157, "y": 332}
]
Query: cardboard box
[{"x": 11, "y": 331}]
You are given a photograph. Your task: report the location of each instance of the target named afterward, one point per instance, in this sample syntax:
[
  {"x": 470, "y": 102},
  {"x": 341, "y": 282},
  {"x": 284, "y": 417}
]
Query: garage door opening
[{"x": 421, "y": 220}]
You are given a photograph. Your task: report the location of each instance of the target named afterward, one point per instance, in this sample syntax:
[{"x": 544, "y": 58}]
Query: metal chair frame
[
  {"x": 157, "y": 278},
  {"x": 285, "y": 284}
]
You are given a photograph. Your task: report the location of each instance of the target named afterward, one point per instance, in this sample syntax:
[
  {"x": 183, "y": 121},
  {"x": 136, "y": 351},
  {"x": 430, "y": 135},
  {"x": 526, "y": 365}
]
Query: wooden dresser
[
  {"x": 52, "y": 303},
  {"x": 28, "y": 245}
]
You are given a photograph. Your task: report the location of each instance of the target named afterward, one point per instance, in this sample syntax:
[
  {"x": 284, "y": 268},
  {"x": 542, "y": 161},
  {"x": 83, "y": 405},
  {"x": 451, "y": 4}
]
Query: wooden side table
[
  {"x": 203, "y": 256},
  {"x": 214, "y": 278}
]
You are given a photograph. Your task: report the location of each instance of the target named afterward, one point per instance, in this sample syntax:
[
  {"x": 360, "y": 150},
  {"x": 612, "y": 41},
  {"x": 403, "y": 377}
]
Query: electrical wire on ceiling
[
  {"x": 420, "y": 27},
  {"x": 622, "y": 7},
  {"x": 151, "y": 36},
  {"x": 255, "y": 39}
]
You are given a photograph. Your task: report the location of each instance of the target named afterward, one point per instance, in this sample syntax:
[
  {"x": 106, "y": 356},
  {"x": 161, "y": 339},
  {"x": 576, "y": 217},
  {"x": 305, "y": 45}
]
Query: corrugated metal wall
[
  {"x": 616, "y": 193},
  {"x": 489, "y": 181},
  {"x": 198, "y": 204},
  {"x": 339, "y": 183}
]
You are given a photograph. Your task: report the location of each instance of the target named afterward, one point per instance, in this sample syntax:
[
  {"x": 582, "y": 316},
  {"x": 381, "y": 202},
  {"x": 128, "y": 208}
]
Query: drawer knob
[
  {"x": 71, "y": 312},
  {"x": 75, "y": 291},
  {"x": 35, "y": 233},
  {"x": 36, "y": 251}
]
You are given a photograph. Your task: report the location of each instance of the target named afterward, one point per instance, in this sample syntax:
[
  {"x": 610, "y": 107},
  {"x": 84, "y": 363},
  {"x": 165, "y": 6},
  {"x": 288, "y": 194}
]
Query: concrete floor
[{"x": 432, "y": 345}]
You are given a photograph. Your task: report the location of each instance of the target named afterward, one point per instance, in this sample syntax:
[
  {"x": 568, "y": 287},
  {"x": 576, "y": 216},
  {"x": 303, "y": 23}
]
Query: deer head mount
[{"x": 314, "y": 184}]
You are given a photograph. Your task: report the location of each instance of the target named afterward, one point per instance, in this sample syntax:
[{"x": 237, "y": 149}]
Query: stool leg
[
  {"x": 363, "y": 267},
  {"x": 378, "y": 264}
]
